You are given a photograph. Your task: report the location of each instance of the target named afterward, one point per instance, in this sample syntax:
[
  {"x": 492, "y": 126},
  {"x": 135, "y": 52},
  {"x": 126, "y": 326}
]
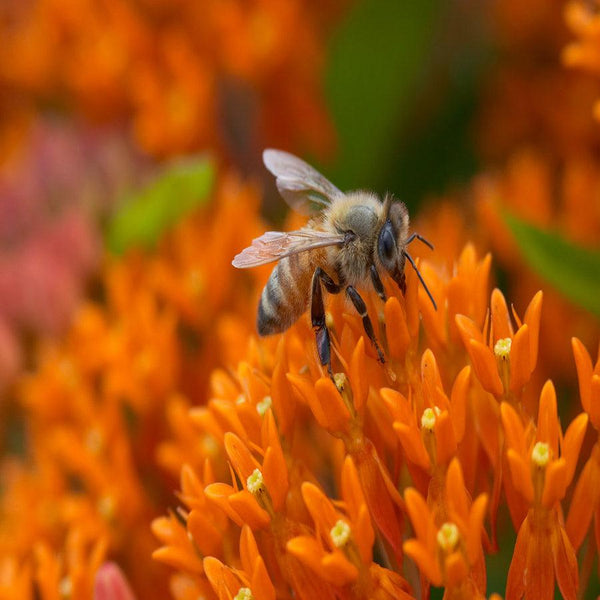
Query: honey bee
[{"x": 350, "y": 239}]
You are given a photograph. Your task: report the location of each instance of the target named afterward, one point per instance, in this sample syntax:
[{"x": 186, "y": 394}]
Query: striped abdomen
[{"x": 287, "y": 293}]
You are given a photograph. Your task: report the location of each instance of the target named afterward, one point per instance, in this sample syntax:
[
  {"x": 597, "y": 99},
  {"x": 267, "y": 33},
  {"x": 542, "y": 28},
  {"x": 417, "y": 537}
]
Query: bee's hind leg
[
  {"x": 361, "y": 308},
  {"x": 317, "y": 315}
]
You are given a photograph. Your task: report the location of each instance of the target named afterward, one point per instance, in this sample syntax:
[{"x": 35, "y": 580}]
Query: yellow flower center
[
  {"x": 448, "y": 536},
  {"x": 255, "y": 482},
  {"x": 502, "y": 348},
  {"x": 244, "y": 594},
  {"x": 540, "y": 454},
  {"x": 264, "y": 405},
  {"x": 428, "y": 419},
  {"x": 340, "y": 534}
]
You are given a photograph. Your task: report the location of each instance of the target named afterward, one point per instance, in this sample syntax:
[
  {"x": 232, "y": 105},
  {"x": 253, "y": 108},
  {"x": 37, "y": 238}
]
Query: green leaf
[
  {"x": 572, "y": 270},
  {"x": 183, "y": 186},
  {"x": 375, "y": 62}
]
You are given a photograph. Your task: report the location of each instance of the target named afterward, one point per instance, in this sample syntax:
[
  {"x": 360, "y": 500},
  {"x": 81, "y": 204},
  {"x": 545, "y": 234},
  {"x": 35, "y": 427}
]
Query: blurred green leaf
[
  {"x": 374, "y": 63},
  {"x": 572, "y": 270},
  {"x": 144, "y": 216}
]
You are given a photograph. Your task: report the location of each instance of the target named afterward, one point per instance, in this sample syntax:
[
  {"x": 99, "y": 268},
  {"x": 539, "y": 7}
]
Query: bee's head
[{"x": 391, "y": 240}]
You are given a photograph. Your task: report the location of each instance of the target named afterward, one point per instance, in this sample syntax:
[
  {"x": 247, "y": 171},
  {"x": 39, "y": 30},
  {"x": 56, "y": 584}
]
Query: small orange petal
[
  {"x": 468, "y": 330},
  {"x": 358, "y": 376},
  {"x": 260, "y": 583},
  {"x": 513, "y": 429},
  {"x": 532, "y": 318},
  {"x": 520, "y": 369},
  {"x": 456, "y": 493},
  {"x": 584, "y": 372},
  {"x": 585, "y": 498},
  {"x": 337, "y": 569},
  {"x": 572, "y": 444},
  {"x": 246, "y": 507},
  {"x": 412, "y": 444},
  {"x": 547, "y": 425},
  {"x": 458, "y": 401},
  {"x": 456, "y": 570},
  {"x": 427, "y": 563},
  {"x": 444, "y": 438},
  {"x": 554, "y": 482},
  {"x": 307, "y": 550},
  {"x": 486, "y": 370},
  {"x": 320, "y": 508},
  {"x": 565, "y": 565},
  {"x": 201, "y": 526},
  {"x": 242, "y": 460},
  {"x": 397, "y": 333},
  {"x": 501, "y": 325},
  {"x": 220, "y": 577},
  {"x": 336, "y": 413},
  {"x": 476, "y": 518},
  {"x": 520, "y": 474}
]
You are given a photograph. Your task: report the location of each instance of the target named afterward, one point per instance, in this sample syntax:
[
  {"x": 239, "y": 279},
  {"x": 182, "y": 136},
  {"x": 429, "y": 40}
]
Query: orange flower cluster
[
  {"x": 313, "y": 487},
  {"x": 87, "y": 484},
  {"x": 187, "y": 75}
]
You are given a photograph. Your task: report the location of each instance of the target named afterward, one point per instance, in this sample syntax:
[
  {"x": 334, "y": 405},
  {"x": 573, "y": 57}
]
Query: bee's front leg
[
  {"x": 317, "y": 314},
  {"x": 361, "y": 308},
  {"x": 377, "y": 283}
]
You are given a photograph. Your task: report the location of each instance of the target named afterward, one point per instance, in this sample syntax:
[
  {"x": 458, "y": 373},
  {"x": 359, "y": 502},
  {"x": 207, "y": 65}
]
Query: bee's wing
[
  {"x": 274, "y": 245},
  {"x": 302, "y": 186}
]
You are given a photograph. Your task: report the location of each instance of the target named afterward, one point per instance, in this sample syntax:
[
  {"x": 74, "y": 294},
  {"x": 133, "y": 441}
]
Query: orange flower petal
[
  {"x": 458, "y": 401},
  {"x": 456, "y": 570},
  {"x": 444, "y": 437},
  {"x": 585, "y": 498},
  {"x": 246, "y": 507},
  {"x": 398, "y": 337},
  {"x": 520, "y": 474},
  {"x": 337, "y": 569},
  {"x": 242, "y": 460},
  {"x": 200, "y": 525},
  {"x": 501, "y": 325},
  {"x": 427, "y": 563},
  {"x": 520, "y": 368},
  {"x": 486, "y": 370},
  {"x": 532, "y": 318},
  {"x": 320, "y": 508},
  {"x": 554, "y": 482},
  {"x": 468, "y": 330},
  {"x": 260, "y": 583},
  {"x": 412, "y": 444},
  {"x": 358, "y": 375},
  {"x": 565, "y": 565},
  {"x": 456, "y": 493},
  {"x": 584, "y": 372},
  {"x": 220, "y": 577},
  {"x": 547, "y": 425},
  {"x": 336, "y": 413},
  {"x": 513, "y": 429},
  {"x": 571, "y": 444},
  {"x": 307, "y": 550},
  {"x": 476, "y": 518}
]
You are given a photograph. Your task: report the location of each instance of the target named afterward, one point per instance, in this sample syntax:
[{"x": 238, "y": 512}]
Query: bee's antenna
[{"x": 414, "y": 266}]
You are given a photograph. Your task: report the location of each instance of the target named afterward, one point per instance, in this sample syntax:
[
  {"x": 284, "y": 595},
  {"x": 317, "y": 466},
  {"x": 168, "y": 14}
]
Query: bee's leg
[
  {"x": 377, "y": 284},
  {"x": 361, "y": 308},
  {"x": 317, "y": 314}
]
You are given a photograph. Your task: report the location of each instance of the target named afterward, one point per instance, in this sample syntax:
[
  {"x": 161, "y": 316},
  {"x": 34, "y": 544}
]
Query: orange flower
[
  {"x": 541, "y": 475},
  {"x": 341, "y": 550},
  {"x": 447, "y": 547},
  {"x": 504, "y": 363}
]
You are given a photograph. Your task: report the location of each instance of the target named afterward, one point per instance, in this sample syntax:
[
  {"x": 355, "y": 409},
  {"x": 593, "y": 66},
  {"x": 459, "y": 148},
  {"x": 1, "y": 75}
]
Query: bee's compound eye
[{"x": 387, "y": 243}]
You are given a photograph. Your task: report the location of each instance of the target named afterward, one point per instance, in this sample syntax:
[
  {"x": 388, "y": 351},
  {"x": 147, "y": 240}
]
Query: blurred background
[{"x": 131, "y": 135}]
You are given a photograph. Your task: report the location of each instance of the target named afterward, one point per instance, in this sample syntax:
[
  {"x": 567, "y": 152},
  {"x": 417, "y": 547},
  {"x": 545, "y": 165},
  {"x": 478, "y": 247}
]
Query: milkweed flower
[
  {"x": 447, "y": 547},
  {"x": 542, "y": 464},
  {"x": 504, "y": 361}
]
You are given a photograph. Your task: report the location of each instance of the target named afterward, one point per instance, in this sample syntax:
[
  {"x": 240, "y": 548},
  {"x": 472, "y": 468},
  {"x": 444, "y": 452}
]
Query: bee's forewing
[
  {"x": 274, "y": 245},
  {"x": 301, "y": 186}
]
